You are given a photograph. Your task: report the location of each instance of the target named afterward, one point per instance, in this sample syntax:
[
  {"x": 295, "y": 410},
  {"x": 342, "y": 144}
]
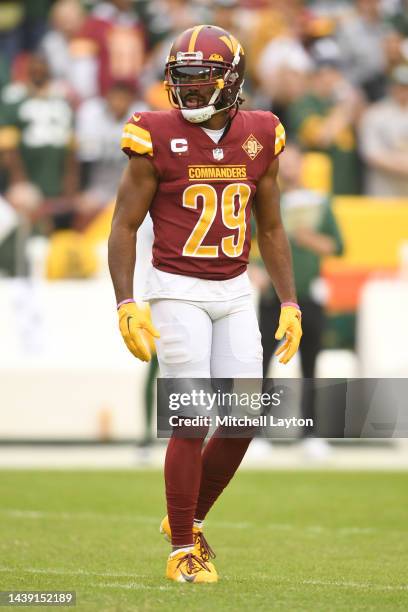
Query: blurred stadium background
[{"x": 71, "y": 72}]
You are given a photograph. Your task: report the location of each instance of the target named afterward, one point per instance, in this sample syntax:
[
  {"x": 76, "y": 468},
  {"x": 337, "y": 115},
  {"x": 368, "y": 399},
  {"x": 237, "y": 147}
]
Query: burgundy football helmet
[{"x": 202, "y": 58}]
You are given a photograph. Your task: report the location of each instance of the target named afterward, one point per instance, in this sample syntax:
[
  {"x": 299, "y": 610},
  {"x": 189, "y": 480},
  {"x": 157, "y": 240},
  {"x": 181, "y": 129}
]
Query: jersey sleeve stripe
[
  {"x": 138, "y": 131},
  {"x": 280, "y": 138},
  {"x": 136, "y": 144},
  {"x": 147, "y": 143}
]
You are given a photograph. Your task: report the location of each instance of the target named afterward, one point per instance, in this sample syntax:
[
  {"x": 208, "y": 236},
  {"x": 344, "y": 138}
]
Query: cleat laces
[
  {"x": 206, "y": 551},
  {"x": 193, "y": 563}
]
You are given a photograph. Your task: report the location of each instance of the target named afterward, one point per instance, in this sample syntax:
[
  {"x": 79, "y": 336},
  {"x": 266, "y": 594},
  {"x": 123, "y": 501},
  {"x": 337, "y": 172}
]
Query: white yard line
[
  {"x": 276, "y": 580},
  {"x": 150, "y": 520},
  {"x": 66, "y": 572},
  {"x": 99, "y": 585},
  {"x": 92, "y": 516},
  {"x": 357, "y": 585},
  {"x": 138, "y": 585},
  {"x": 131, "y": 586}
]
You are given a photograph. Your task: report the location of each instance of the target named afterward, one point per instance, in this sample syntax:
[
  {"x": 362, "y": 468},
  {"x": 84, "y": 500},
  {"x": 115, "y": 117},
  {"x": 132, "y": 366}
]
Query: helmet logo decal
[
  {"x": 231, "y": 43},
  {"x": 194, "y": 36},
  {"x": 252, "y": 147}
]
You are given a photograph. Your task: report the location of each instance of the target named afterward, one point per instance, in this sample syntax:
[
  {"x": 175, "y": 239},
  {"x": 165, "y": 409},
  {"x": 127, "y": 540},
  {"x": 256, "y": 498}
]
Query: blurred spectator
[
  {"x": 35, "y": 22},
  {"x": 11, "y": 33},
  {"x": 324, "y": 119},
  {"x": 282, "y": 71},
  {"x": 226, "y": 15},
  {"x": 164, "y": 18},
  {"x": 329, "y": 8},
  {"x": 313, "y": 235},
  {"x": 66, "y": 20},
  {"x": 99, "y": 153},
  {"x": 384, "y": 140},
  {"x": 361, "y": 38},
  {"x": 399, "y": 19},
  {"x": 396, "y": 42},
  {"x": 8, "y": 224},
  {"x": 36, "y": 137},
  {"x": 260, "y": 26},
  {"x": 113, "y": 39}
]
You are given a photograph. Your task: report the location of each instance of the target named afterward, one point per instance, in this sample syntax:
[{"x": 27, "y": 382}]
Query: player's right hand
[{"x": 137, "y": 330}]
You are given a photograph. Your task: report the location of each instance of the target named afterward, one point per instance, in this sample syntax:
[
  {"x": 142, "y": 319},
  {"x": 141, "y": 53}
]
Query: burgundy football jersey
[{"x": 201, "y": 210}]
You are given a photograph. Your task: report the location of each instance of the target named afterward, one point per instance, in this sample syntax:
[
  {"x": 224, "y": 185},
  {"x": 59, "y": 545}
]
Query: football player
[{"x": 198, "y": 170}]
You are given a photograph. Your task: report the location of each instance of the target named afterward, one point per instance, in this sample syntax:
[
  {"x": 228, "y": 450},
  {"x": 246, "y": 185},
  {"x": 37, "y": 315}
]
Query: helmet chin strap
[{"x": 199, "y": 115}]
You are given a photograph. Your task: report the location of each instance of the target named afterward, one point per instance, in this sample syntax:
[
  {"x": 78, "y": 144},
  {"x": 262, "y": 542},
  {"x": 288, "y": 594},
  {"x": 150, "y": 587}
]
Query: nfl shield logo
[{"x": 218, "y": 154}]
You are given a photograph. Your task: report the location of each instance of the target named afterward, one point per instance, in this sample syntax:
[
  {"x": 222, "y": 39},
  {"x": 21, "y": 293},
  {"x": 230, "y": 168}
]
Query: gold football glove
[
  {"x": 289, "y": 325},
  {"x": 137, "y": 329}
]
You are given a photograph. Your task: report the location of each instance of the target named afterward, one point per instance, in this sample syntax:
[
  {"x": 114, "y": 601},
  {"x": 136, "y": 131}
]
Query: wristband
[
  {"x": 293, "y": 304},
  {"x": 128, "y": 301}
]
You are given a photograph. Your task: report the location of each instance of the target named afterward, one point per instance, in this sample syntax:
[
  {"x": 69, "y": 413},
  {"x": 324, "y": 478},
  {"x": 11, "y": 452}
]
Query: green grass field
[{"x": 284, "y": 541}]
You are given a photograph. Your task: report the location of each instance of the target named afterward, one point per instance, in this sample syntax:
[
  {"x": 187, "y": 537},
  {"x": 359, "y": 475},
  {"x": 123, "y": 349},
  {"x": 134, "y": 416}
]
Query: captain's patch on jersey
[
  {"x": 179, "y": 145},
  {"x": 217, "y": 173},
  {"x": 252, "y": 147}
]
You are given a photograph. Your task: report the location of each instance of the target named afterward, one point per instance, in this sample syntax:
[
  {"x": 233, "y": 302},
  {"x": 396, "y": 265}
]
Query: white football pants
[{"x": 208, "y": 339}]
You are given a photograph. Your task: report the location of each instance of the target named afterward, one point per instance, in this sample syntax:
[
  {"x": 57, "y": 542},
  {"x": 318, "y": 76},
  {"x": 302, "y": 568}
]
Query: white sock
[
  {"x": 198, "y": 524},
  {"x": 185, "y": 549}
]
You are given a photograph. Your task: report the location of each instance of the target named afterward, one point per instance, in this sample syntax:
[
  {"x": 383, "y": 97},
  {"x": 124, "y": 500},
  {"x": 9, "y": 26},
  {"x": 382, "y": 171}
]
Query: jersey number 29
[{"x": 232, "y": 217}]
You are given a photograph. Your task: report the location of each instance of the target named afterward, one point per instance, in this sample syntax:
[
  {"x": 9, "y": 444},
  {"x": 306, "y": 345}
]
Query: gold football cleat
[{"x": 188, "y": 567}]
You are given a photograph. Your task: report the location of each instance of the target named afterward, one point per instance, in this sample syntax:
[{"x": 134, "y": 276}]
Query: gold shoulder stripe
[
  {"x": 279, "y": 130},
  {"x": 280, "y": 138},
  {"x": 138, "y": 131},
  {"x": 136, "y": 144},
  {"x": 193, "y": 38}
]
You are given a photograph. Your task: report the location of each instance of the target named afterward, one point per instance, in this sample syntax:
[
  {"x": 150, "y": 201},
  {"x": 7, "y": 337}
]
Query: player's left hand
[{"x": 291, "y": 326}]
